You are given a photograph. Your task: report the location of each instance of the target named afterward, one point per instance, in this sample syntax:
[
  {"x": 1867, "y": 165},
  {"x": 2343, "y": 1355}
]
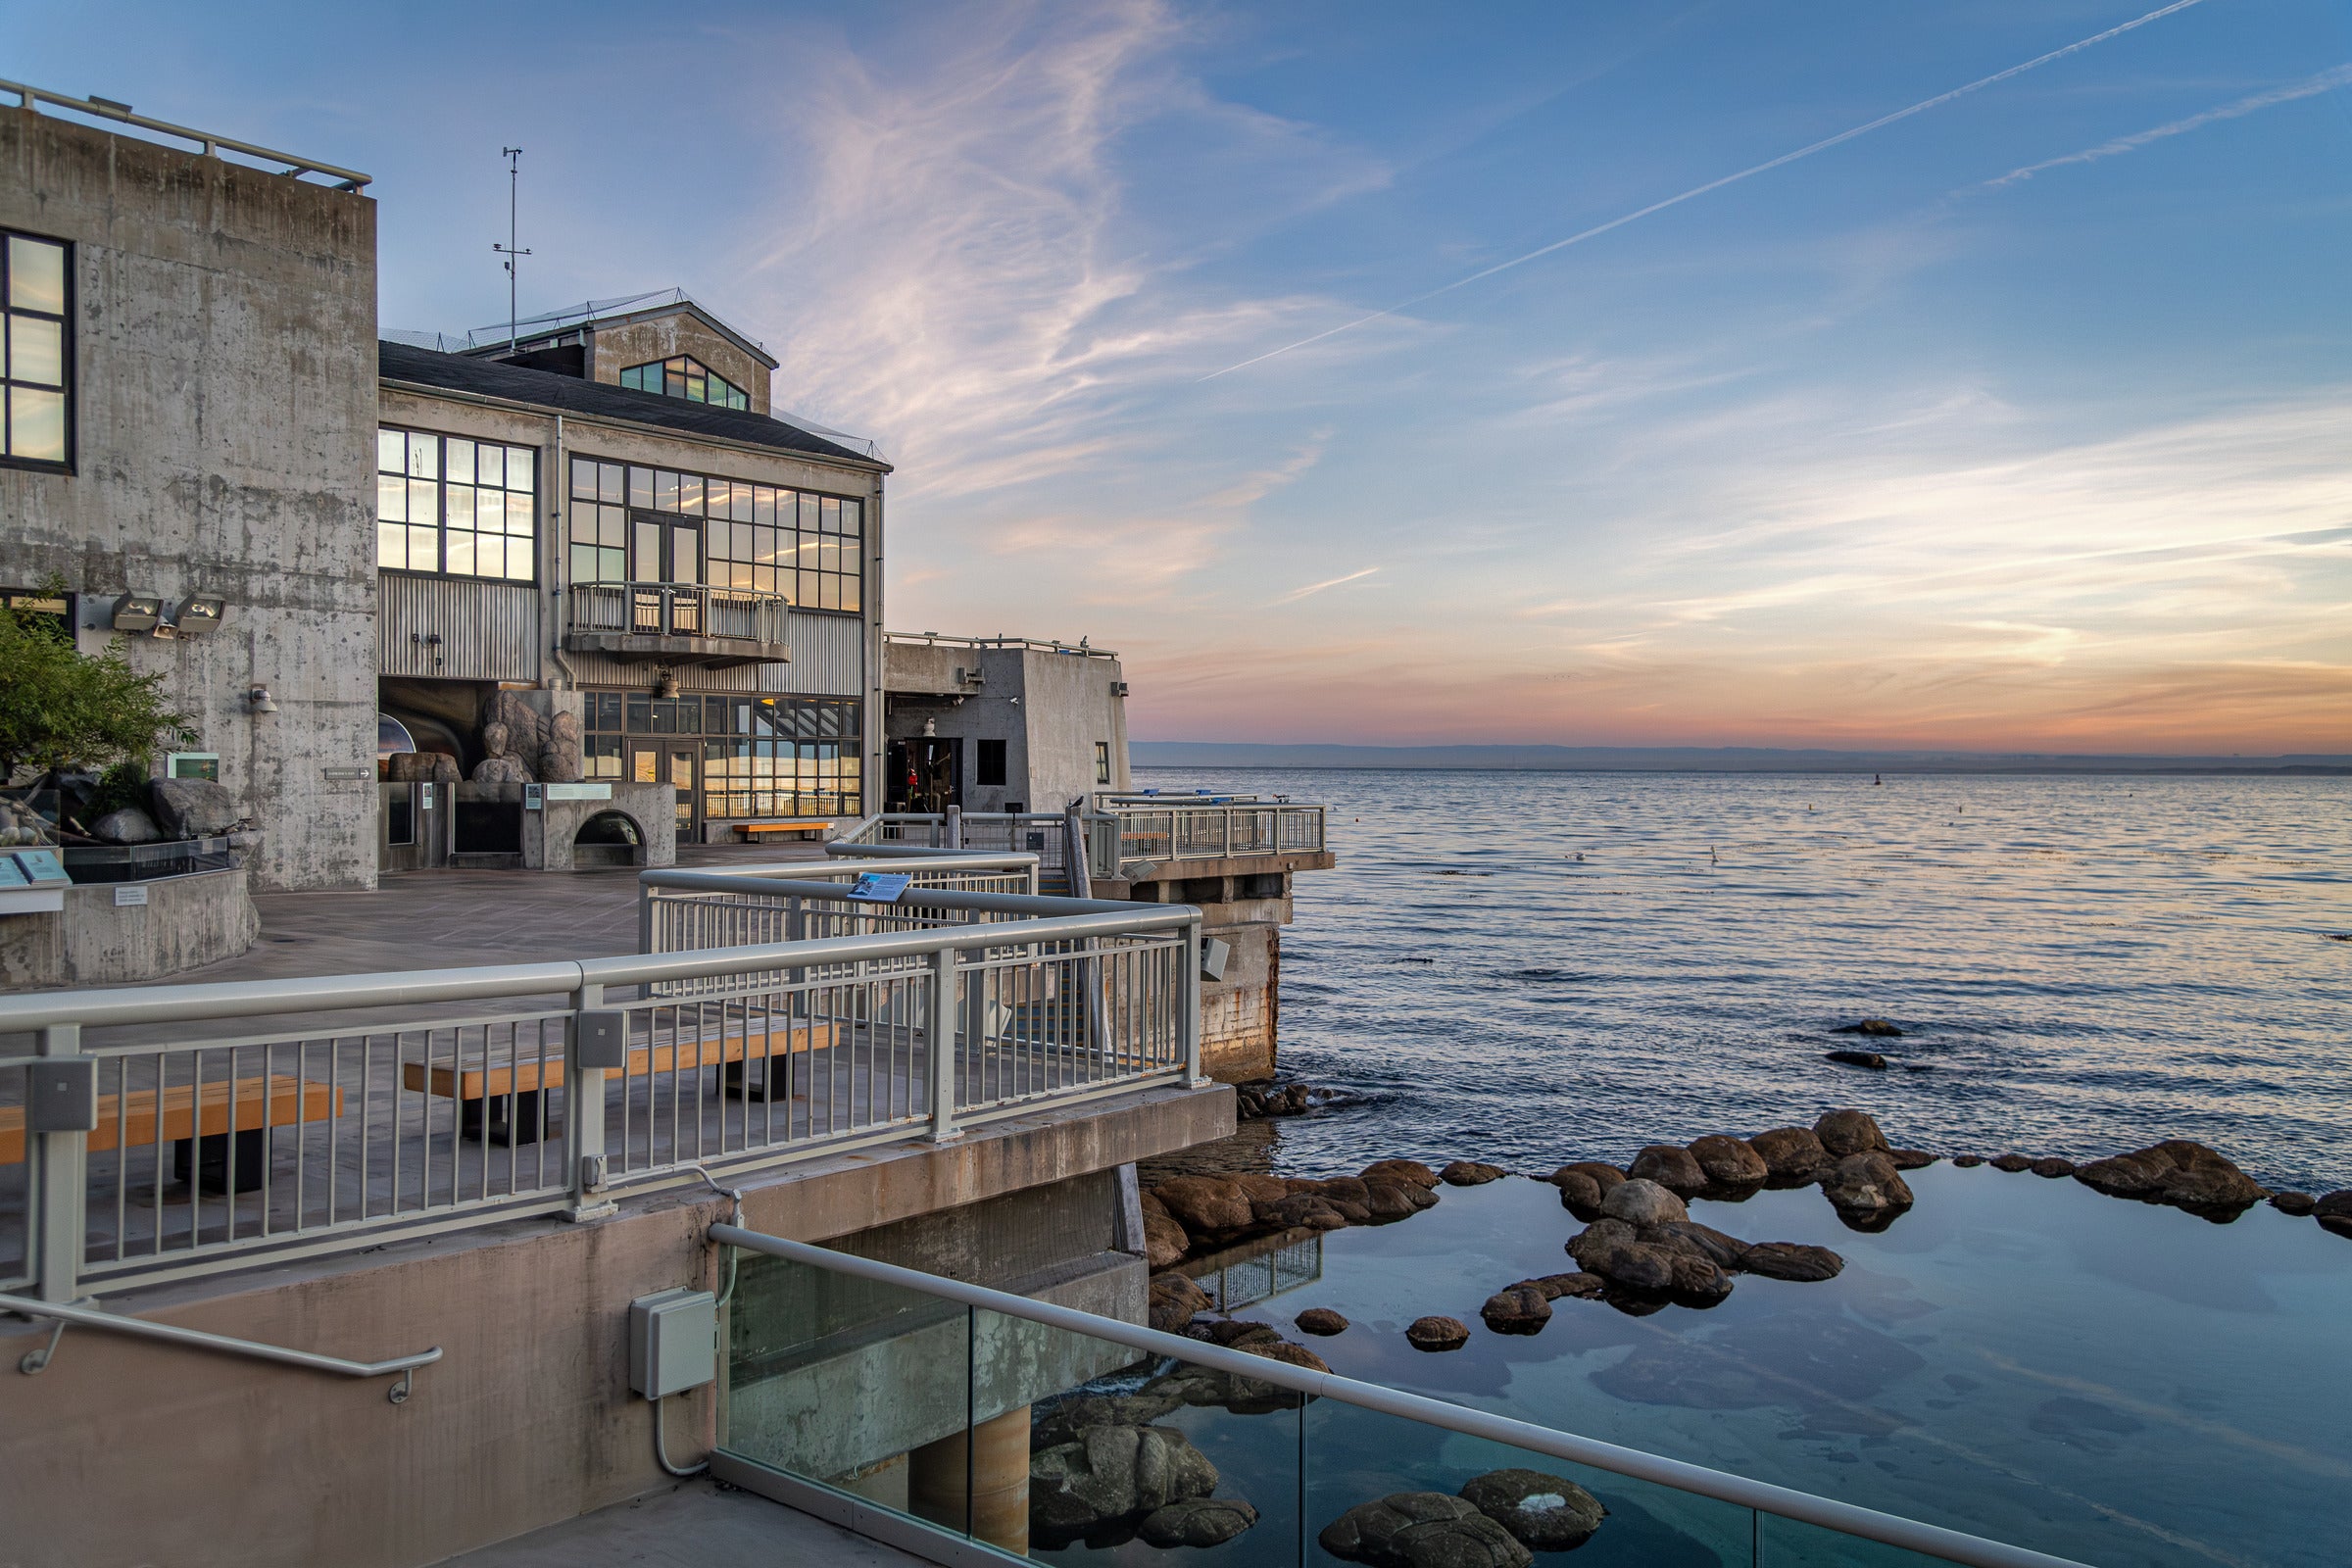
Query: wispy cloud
[
  {"x": 1314, "y": 588},
  {"x": 2309, "y": 88}
]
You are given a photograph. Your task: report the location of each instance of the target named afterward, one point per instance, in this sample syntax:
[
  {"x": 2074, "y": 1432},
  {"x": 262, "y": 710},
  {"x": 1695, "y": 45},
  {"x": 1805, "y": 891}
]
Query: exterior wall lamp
[
  {"x": 259, "y": 701},
  {"x": 137, "y": 613},
  {"x": 200, "y": 613}
]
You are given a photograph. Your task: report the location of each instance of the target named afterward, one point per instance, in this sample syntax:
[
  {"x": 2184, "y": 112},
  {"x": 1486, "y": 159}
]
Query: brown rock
[
  {"x": 1877, "y": 1028},
  {"x": 1205, "y": 1203},
  {"x": 1605, "y": 1176},
  {"x": 2334, "y": 1211},
  {"x": 2012, "y": 1163},
  {"x": 1237, "y": 1334},
  {"x": 1542, "y": 1513},
  {"x": 1391, "y": 1200},
  {"x": 1579, "y": 1285},
  {"x": 1259, "y": 1186},
  {"x": 1911, "y": 1158},
  {"x": 1793, "y": 1260},
  {"x": 2052, "y": 1167},
  {"x": 2184, "y": 1174},
  {"x": 1848, "y": 1132},
  {"x": 1791, "y": 1153},
  {"x": 1470, "y": 1174},
  {"x": 1149, "y": 1202},
  {"x": 1410, "y": 1171},
  {"x": 1353, "y": 1213},
  {"x": 1321, "y": 1321},
  {"x": 1164, "y": 1241},
  {"x": 1422, "y": 1530},
  {"x": 2295, "y": 1203},
  {"x": 1671, "y": 1167},
  {"x": 1723, "y": 1251},
  {"x": 1729, "y": 1162},
  {"x": 1968, "y": 1161},
  {"x": 1580, "y": 1194},
  {"x": 1172, "y": 1302},
  {"x": 1642, "y": 1202},
  {"x": 1866, "y": 1185},
  {"x": 1516, "y": 1309},
  {"x": 1285, "y": 1352},
  {"x": 1344, "y": 1188},
  {"x": 1300, "y": 1210},
  {"x": 1857, "y": 1058},
  {"x": 1437, "y": 1334}
]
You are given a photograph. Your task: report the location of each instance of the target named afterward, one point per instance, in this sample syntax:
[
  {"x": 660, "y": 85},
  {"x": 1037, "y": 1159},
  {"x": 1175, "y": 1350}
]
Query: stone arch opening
[{"x": 608, "y": 838}]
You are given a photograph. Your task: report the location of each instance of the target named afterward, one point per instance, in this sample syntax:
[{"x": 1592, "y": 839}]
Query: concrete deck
[{"x": 694, "y": 1524}]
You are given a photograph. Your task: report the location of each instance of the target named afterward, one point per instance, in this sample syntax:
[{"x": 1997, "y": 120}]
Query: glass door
[{"x": 653, "y": 761}]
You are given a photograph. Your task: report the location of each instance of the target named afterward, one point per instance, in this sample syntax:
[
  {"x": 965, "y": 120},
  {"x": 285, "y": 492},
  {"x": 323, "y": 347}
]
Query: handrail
[
  {"x": 197, "y": 1339},
  {"x": 32, "y": 97},
  {"x": 919, "y": 860},
  {"x": 1934, "y": 1541}
]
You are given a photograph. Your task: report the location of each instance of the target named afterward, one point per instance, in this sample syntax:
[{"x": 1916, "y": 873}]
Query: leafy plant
[
  {"x": 61, "y": 707},
  {"x": 120, "y": 787}
]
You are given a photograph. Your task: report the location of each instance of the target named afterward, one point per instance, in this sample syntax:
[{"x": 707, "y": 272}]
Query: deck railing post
[
  {"x": 62, "y": 1110},
  {"x": 939, "y": 1035},
  {"x": 584, "y": 1099},
  {"x": 1192, "y": 1004}
]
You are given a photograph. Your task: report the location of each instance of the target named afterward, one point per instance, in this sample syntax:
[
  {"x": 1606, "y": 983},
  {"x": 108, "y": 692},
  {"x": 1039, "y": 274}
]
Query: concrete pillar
[{"x": 995, "y": 1478}]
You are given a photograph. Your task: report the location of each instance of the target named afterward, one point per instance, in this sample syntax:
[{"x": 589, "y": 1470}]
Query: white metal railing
[
  {"x": 675, "y": 610},
  {"x": 757, "y": 1471},
  {"x": 1035, "y": 645},
  {"x": 214, "y": 146},
  {"x": 1124, "y": 834},
  {"x": 1044, "y": 835},
  {"x": 465, "y": 1096}
]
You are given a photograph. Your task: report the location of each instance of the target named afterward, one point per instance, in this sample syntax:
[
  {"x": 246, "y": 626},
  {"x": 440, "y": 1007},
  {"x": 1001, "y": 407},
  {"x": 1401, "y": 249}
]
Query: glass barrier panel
[
  {"x": 1086, "y": 1451},
  {"x": 854, "y": 1385},
  {"x": 1372, "y": 1476},
  {"x": 1790, "y": 1544}
]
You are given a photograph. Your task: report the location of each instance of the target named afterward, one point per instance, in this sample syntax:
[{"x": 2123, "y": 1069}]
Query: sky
[{"x": 1243, "y": 339}]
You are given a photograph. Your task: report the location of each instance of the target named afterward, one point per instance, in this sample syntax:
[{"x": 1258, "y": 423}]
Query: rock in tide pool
[
  {"x": 1543, "y": 1513},
  {"x": 1857, "y": 1058},
  {"x": 1876, "y": 1028},
  {"x": 2012, "y": 1163},
  {"x": 1164, "y": 1241},
  {"x": 1422, "y": 1530},
  {"x": 1791, "y": 1260},
  {"x": 1237, "y": 1334},
  {"x": 1651, "y": 1259},
  {"x": 1642, "y": 1202},
  {"x": 1397, "y": 1199},
  {"x": 1111, "y": 1474},
  {"x": 1792, "y": 1154},
  {"x": 1867, "y": 1190},
  {"x": 1517, "y": 1310},
  {"x": 1283, "y": 1350},
  {"x": 2052, "y": 1167},
  {"x": 1174, "y": 1298},
  {"x": 2334, "y": 1211},
  {"x": 1848, "y": 1132},
  {"x": 1555, "y": 1286},
  {"x": 1911, "y": 1158},
  {"x": 1258, "y": 1187},
  {"x": 1410, "y": 1171},
  {"x": 2295, "y": 1203},
  {"x": 1671, "y": 1167},
  {"x": 1729, "y": 1162},
  {"x": 1604, "y": 1176},
  {"x": 1968, "y": 1161},
  {"x": 1437, "y": 1334},
  {"x": 1301, "y": 1210},
  {"x": 1470, "y": 1174},
  {"x": 1320, "y": 1320},
  {"x": 1197, "y": 1522},
  {"x": 1205, "y": 1203},
  {"x": 2184, "y": 1174},
  {"x": 1580, "y": 1194}
]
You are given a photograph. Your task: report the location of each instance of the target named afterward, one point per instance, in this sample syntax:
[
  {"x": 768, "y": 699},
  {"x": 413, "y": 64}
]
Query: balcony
[{"x": 677, "y": 623}]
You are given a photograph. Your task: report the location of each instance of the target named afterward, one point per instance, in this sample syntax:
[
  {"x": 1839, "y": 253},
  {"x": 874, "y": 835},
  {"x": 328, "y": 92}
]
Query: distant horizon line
[{"x": 1509, "y": 756}]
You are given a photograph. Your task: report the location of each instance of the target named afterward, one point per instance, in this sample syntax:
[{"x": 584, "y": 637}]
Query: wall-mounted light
[
  {"x": 199, "y": 614},
  {"x": 137, "y": 611},
  {"x": 259, "y": 701},
  {"x": 668, "y": 685}
]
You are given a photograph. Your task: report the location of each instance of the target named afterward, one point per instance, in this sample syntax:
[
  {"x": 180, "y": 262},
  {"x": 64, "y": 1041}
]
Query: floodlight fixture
[{"x": 137, "y": 612}]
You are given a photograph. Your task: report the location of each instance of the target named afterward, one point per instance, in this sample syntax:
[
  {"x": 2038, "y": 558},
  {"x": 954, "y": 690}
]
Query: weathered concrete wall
[
  {"x": 186, "y": 921},
  {"x": 1241, "y": 1014},
  {"x": 1070, "y": 710},
  {"x": 224, "y": 359},
  {"x": 199, "y": 1459},
  {"x": 548, "y": 833},
  {"x": 1049, "y": 708},
  {"x": 622, "y": 345}
]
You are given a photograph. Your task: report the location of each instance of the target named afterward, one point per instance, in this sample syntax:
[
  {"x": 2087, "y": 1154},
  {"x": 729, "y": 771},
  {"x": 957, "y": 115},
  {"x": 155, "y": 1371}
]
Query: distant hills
[{"x": 1707, "y": 760}]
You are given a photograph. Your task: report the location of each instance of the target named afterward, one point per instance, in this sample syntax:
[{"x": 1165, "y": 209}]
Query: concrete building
[{"x": 1001, "y": 723}]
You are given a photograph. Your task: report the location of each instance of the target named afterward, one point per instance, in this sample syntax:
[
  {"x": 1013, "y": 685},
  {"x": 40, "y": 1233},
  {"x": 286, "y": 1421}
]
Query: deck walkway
[{"x": 696, "y": 1525}]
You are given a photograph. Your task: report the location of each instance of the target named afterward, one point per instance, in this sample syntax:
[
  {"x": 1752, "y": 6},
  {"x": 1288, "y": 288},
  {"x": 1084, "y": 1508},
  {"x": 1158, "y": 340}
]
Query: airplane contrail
[{"x": 1823, "y": 145}]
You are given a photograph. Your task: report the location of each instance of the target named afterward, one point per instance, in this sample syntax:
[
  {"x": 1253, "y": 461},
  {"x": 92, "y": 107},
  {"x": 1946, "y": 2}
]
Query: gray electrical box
[
  {"x": 674, "y": 1342},
  {"x": 602, "y": 1040},
  {"x": 1214, "y": 954}
]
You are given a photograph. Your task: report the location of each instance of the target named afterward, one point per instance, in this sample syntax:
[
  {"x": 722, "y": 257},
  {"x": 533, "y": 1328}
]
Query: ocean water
[{"x": 1535, "y": 967}]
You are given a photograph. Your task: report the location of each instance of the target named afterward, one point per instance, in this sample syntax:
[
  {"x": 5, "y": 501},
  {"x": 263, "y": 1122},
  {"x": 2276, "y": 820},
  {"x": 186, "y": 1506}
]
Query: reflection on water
[{"x": 1244, "y": 1275}]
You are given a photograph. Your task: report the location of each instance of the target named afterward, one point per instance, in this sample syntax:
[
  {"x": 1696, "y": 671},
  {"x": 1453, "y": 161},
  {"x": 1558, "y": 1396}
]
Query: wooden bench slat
[
  {"x": 525, "y": 1077},
  {"x": 280, "y": 1101}
]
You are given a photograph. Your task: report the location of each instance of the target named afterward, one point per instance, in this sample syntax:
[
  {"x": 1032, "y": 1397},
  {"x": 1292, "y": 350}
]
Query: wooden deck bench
[
  {"x": 484, "y": 1093},
  {"x": 199, "y": 1129},
  {"x": 753, "y": 832}
]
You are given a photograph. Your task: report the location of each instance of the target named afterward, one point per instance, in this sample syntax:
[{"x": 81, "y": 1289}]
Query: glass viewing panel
[
  {"x": 759, "y": 538},
  {"x": 762, "y": 756},
  {"x": 33, "y": 358},
  {"x": 446, "y": 504},
  {"x": 685, "y": 376}
]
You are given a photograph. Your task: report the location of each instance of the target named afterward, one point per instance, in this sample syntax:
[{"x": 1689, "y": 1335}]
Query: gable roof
[{"x": 410, "y": 366}]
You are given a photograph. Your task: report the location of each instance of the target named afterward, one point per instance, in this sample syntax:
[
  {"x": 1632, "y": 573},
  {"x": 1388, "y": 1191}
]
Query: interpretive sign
[
  {"x": 578, "y": 792},
  {"x": 879, "y": 887}
]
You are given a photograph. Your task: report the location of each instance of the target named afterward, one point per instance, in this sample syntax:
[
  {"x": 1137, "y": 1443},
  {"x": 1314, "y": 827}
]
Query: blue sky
[{"x": 2024, "y": 421}]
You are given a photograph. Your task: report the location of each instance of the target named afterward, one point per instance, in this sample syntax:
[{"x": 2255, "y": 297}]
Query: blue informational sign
[
  {"x": 43, "y": 867},
  {"x": 879, "y": 887}
]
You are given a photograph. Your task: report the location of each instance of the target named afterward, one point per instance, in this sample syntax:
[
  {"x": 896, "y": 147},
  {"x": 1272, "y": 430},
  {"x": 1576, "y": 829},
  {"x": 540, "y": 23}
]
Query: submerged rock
[
  {"x": 1848, "y": 1132},
  {"x": 1911, "y": 1158},
  {"x": 1422, "y": 1530},
  {"x": 1968, "y": 1161},
  {"x": 2334, "y": 1211},
  {"x": 1877, "y": 1028},
  {"x": 2012, "y": 1163},
  {"x": 1320, "y": 1320},
  {"x": 1437, "y": 1334},
  {"x": 1197, "y": 1522},
  {"x": 1642, "y": 1202},
  {"x": 2296, "y": 1203},
  {"x": 2184, "y": 1174},
  {"x": 1516, "y": 1309},
  {"x": 1857, "y": 1058},
  {"x": 2052, "y": 1167},
  {"x": 1470, "y": 1174},
  {"x": 1111, "y": 1474},
  {"x": 1729, "y": 1162},
  {"x": 1671, "y": 1167},
  {"x": 1543, "y": 1513},
  {"x": 1794, "y": 1153}
]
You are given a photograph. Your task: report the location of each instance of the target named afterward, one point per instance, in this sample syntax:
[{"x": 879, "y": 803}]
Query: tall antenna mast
[{"x": 513, "y": 157}]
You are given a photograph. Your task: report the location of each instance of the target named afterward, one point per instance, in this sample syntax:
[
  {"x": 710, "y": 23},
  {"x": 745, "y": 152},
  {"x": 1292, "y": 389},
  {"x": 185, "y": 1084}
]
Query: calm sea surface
[{"x": 1533, "y": 967}]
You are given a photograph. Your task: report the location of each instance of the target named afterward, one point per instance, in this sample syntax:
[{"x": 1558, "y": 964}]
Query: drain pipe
[
  {"x": 558, "y": 486},
  {"x": 734, "y": 1195}
]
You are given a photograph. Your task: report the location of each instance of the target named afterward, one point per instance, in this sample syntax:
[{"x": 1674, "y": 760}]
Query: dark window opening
[
  {"x": 1102, "y": 762},
  {"x": 989, "y": 765}
]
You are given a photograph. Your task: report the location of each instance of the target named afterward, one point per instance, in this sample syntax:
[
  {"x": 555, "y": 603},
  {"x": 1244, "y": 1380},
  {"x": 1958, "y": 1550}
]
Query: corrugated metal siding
[
  {"x": 488, "y": 630},
  {"x": 828, "y": 660}
]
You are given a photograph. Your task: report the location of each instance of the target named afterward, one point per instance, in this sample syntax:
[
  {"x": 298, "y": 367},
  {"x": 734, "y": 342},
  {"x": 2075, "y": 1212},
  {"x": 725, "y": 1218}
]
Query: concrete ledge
[{"x": 186, "y": 921}]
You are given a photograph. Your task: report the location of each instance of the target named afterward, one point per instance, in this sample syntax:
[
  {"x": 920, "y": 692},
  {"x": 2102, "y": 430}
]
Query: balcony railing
[
  {"x": 682, "y": 621},
  {"x": 1125, "y": 836}
]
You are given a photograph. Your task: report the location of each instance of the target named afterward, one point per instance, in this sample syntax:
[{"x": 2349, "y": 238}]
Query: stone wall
[{"x": 186, "y": 921}]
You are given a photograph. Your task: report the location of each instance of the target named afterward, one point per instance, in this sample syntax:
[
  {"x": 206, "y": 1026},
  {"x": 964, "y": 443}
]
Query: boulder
[
  {"x": 1866, "y": 1187},
  {"x": 1164, "y": 1241},
  {"x": 1437, "y": 1334},
  {"x": 560, "y": 755},
  {"x": 1197, "y": 1522},
  {"x": 1729, "y": 1162},
  {"x": 1671, "y": 1167},
  {"x": 130, "y": 825},
  {"x": 501, "y": 770},
  {"x": 1968, "y": 1161},
  {"x": 1390, "y": 1200},
  {"x": 1410, "y": 1171},
  {"x": 2184, "y": 1174},
  {"x": 1067, "y": 1420},
  {"x": 1113, "y": 1473},
  {"x": 1791, "y": 1260},
  {"x": 1911, "y": 1158},
  {"x": 1205, "y": 1203},
  {"x": 1655, "y": 1259},
  {"x": 1258, "y": 1187},
  {"x": 1517, "y": 1310},
  {"x": 2296, "y": 1203},
  {"x": 1172, "y": 1302},
  {"x": 1876, "y": 1028},
  {"x": 1353, "y": 1213},
  {"x": 1556, "y": 1286},
  {"x": 1580, "y": 1194},
  {"x": 1422, "y": 1530},
  {"x": 2334, "y": 1212},
  {"x": 2052, "y": 1167},
  {"x": 1280, "y": 1350},
  {"x": 1856, "y": 1058},
  {"x": 1723, "y": 1251},
  {"x": 1341, "y": 1189},
  {"x": 2012, "y": 1163},
  {"x": 1301, "y": 1210},
  {"x": 1470, "y": 1174},
  {"x": 1848, "y": 1132},
  {"x": 1604, "y": 1176},
  {"x": 1320, "y": 1320},
  {"x": 192, "y": 808},
  {"x": 1542, "y": 1513},
  {"x": 1642, "y": 1202},
  {"x": 1791, "y": 1153}
]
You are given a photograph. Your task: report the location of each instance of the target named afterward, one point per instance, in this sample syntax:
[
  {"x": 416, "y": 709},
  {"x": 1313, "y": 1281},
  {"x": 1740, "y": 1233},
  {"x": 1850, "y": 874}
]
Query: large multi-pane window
[
  {"x": 762, "y": 756},
  {"x": 35, "y": 358},
  {"x": 447, "y": 504},
  {"x": 626, "y": 529},
  {"x": 685, "y": 376}
]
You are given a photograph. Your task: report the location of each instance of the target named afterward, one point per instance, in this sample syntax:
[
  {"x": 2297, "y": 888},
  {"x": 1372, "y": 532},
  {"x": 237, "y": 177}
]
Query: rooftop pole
[{"x": 513, "y": 157}]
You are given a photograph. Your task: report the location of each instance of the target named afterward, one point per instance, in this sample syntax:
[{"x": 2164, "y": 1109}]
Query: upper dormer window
[{"x": 684, "y": 376}]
